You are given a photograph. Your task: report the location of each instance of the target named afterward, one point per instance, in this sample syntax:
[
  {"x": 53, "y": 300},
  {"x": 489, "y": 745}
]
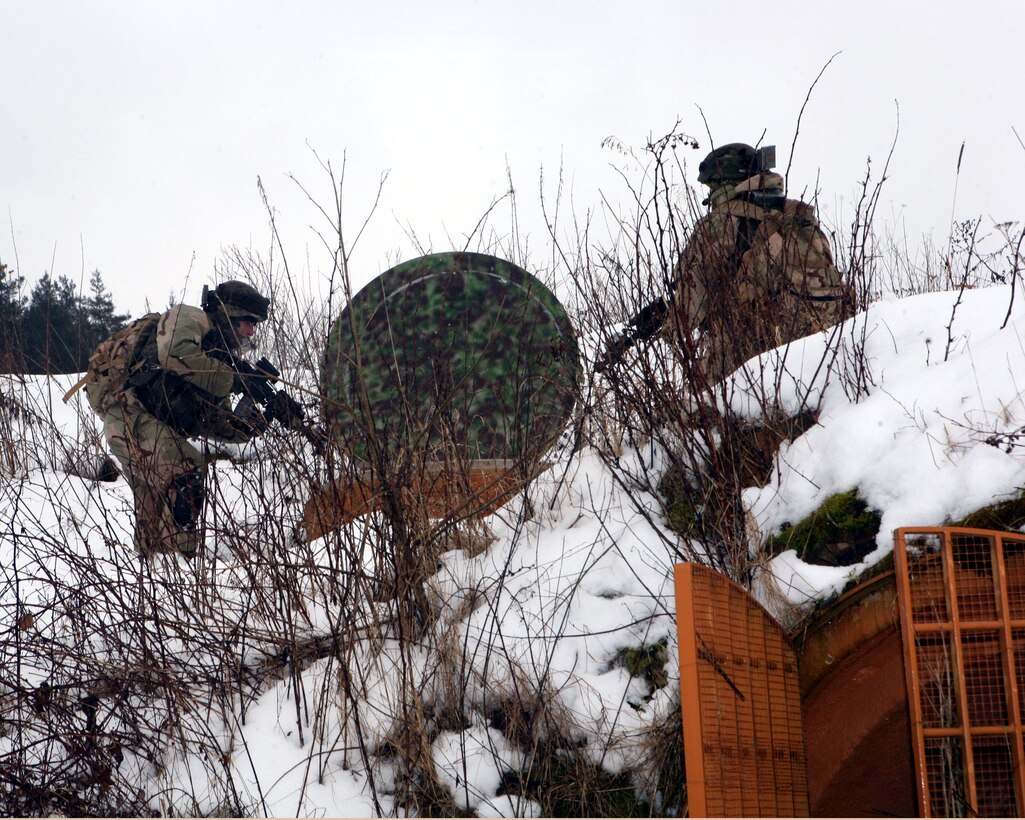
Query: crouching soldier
[
  {"x": 164, "y": 379},
  {"x": 757, "y": 272}
]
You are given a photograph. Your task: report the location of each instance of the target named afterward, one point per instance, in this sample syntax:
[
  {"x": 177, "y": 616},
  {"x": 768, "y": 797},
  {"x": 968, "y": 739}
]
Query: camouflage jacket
[
  {"x": 757, "y": 273},
  {"x": 182, "y": 384}
]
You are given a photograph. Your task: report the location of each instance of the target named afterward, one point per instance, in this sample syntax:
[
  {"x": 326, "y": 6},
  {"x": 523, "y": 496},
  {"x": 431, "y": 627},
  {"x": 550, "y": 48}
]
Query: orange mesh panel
[
  {"x": 740, "y": 696},
  {"x": 962, "y": 596},
  {"x": 1014, "y": 564}
]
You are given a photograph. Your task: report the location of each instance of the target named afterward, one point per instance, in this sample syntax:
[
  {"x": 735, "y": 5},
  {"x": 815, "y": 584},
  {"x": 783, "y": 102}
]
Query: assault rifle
[
  {"x": 255, "y": 383},
  {"x": 646, "y": 324}
]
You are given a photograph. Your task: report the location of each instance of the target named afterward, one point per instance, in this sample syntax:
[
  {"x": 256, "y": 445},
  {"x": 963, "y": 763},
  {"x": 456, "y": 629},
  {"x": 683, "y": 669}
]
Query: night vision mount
[{"x": 765, "y": 158}]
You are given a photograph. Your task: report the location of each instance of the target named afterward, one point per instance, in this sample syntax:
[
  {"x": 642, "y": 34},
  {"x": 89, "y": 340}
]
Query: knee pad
[{"x": 185, "y": 497}]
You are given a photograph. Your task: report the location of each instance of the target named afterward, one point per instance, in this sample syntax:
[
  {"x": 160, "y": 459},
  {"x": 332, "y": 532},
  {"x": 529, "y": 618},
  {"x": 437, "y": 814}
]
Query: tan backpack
[
  {"x": 113, "y": 362},
  {"x": 791, "y": 243}
]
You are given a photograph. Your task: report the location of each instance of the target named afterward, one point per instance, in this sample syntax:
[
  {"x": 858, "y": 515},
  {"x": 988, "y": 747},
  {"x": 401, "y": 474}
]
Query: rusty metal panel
[
  {"x": 962, "y": 597},
  {"x": 740, "y": 696},
  {"x": 855, "y": 705},
  {"x": 473, "y": 489}
]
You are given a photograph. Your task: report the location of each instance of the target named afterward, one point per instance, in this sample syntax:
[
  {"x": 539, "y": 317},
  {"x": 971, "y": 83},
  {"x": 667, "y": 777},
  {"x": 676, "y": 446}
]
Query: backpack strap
[
  {"x": 143, "y": 354},
  {"x": 746, "y": 227},
  {"x": 77, "y": 386},
  {"x": 747, "y": 216}
]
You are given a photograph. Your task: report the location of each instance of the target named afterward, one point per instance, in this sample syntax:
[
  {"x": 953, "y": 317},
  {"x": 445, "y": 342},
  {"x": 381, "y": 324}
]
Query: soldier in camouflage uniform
[
  {"x": 178, "y": 388},
  {"x": 756, "y": 273}
]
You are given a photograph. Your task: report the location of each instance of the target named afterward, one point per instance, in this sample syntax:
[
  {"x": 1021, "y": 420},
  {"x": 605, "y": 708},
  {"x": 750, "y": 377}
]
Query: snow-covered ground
[
  {"x": 546, "y": 608},
  {"x": 944, "y": 372}
]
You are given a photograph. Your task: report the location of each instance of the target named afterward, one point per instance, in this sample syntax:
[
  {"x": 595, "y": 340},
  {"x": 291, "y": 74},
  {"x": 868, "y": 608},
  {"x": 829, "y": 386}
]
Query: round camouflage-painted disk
[{"x": 451, "y": 354}]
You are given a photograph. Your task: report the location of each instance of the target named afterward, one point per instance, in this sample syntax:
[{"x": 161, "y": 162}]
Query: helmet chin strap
[{"x": 225, "y": 328}]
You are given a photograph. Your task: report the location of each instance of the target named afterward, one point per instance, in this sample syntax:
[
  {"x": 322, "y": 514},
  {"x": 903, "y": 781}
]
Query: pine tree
[
  {"x": 12, "y": 314},
  {"x": 58, "y": 328},
  {"x": 53, "y": 327},
  {"x": 100, "y": 317}
]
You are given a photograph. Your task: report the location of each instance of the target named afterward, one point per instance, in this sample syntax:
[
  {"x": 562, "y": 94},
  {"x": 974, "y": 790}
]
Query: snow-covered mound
[{"x": 942, "y": 378}]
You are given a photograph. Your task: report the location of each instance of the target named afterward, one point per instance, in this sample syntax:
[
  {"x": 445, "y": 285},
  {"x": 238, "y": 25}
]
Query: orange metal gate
[
  {"x": 962, "y": 606},
  {"x": 742, "y": 727}
]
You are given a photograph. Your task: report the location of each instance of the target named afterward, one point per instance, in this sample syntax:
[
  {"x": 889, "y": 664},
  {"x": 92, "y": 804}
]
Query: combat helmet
[
  {"x": 238, "y": 300},
  {"x": 731, "y": 163}
]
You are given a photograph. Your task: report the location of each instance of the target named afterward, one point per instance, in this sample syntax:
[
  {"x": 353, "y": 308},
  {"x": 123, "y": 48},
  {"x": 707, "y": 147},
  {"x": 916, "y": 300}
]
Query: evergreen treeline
[{"x": 55, "y": 328}]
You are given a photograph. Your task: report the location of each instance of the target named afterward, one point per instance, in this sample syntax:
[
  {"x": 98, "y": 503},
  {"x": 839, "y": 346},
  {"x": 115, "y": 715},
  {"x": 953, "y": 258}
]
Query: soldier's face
[{"x": 236, "y": 333}]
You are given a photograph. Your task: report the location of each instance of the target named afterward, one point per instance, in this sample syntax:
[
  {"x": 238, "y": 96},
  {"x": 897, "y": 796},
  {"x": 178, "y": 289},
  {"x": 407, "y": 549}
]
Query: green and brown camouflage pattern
[
  {"x": 752, "y": 279},
  {"x": 728, "y": 163},
  {"x": 147, "y": 425},
  {"x": 451, "y": 354},
  {"x": 152, "y": 456}
]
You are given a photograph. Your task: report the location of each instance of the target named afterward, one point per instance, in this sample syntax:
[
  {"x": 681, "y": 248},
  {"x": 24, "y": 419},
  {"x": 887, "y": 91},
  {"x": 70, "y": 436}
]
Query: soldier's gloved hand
[
  {"x": 250, "y": 384},
  {"x": 248, "y": 417},
  {"x": 284, "y": 409}
]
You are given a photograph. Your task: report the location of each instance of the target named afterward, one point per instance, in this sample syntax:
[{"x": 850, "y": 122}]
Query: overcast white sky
[{"x": 133, "y": 132}]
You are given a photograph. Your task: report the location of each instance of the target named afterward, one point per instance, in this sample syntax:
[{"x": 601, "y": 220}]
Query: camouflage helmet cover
[
  {"x": 241, "y": 300},
  {"x": 728, "y": 163}
]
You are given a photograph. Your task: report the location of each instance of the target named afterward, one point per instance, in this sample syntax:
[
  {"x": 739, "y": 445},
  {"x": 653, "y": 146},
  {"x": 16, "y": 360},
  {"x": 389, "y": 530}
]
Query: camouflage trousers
[
  {"x": 167, "y": 476},
  {"x": 731, "y": 340}
]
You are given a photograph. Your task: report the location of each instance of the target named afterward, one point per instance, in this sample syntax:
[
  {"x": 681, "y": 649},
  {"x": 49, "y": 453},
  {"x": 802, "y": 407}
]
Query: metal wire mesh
[
  {"x": 985, "y": 693},
  {"x": 962, "y": 596},
  {"x": 936, "y": 681},
  {"x": 1014, "y": 563},
  {"x": 743, "y": 730},
  {"x": 994, "y": 774},
  {"x": 945, "y": 774},
  {"x": 1018, "y": 640}
]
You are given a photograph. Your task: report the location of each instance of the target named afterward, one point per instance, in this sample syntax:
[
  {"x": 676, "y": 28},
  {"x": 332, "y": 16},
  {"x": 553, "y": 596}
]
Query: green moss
[
  {"x": 564, "y": 785},
  {"x": 840, "y": 532},
  {"x": 881, "y": 567},
  {"x": 1007, "y": 515},
  {"x": 648, "y": 662},
  {"x": 682, "y": 505}
]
